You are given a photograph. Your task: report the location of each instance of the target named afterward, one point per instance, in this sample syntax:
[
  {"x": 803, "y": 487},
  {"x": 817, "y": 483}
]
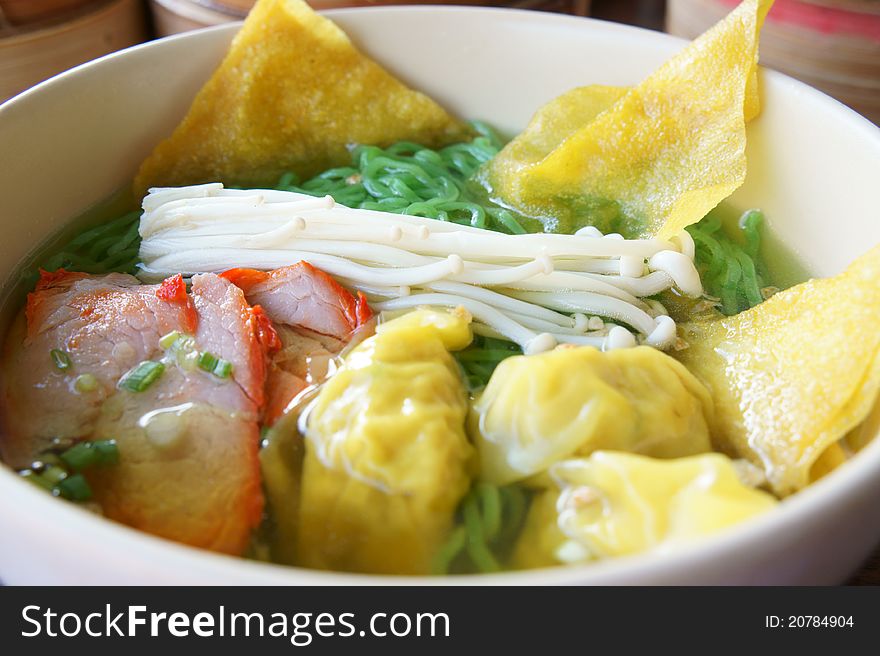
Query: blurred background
[{"x": 831, "y": 44}]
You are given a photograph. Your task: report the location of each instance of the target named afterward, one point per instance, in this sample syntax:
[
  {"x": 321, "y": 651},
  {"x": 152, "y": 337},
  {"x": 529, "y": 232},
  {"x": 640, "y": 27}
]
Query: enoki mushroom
[{"x": 537, "y": 290}]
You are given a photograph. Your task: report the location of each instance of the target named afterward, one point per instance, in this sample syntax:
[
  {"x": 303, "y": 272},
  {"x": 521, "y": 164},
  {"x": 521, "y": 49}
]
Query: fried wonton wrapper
[
  {"x": 792, "y": 376},
  {"x": 648, "y": 161},
  {"x": 291, "y": 95}
]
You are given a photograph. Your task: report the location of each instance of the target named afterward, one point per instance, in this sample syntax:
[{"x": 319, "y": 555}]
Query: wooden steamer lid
[
  {"x": 173, "y": 16},
  {"x": 57, "y": 35}
]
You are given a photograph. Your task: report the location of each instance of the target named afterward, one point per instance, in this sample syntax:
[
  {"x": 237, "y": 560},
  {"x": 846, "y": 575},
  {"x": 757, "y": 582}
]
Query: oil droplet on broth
[{"x": 166, "y": 428}]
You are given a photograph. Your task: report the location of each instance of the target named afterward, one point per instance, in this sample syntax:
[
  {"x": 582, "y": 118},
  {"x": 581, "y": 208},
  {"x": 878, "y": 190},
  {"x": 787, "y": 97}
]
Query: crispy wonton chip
[
  {"x": 291, "y": 95},
  {"x": 650, "y": 161},
  {"x": 792, "y": 376}
]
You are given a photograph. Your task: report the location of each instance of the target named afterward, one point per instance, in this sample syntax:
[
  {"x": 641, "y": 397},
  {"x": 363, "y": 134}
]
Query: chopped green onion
[
  {"x": 181, "y": 347},
  {"x": 74, "y": 488},
  {"x": 212, "y": 364},
  {"x": 54, "y": 475},
  {"x": 167, "y": 341},
  {"x": 108, "y": 452},
  {"x": 61, "y": 359},
  {"x": 85, "y": 383},
  {"x": 80, "y": 456},
  {"x": 87, "y": 454},
  {"x": 44, "y": 460},
  {"x": 223, "y": 369},
  {"x": 142, "y": 376},
  {"x": 188, "y": 360},
  {"x": 183, "y": 344},
  {"x": 36, "y": 479},
  {"x": 207, "y": 361}
]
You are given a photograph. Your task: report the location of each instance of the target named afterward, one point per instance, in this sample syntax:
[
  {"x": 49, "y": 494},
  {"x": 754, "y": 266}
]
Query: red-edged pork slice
[
  {"x": 315, "y": 317},
  {"x": 188, "y": 468},
  {"x": 301, "y": 295},
  {"x": 230, "y": 328},
  {"x": 106, "y": 325}
]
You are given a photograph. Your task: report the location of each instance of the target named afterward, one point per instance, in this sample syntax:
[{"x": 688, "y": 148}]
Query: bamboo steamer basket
[
  {"x": 173, "y": 16},
  {"x": 833, "y": 45},
  {"x": 29, "y": 55},
  {"x": 240, "y": 6},
  {"x": 575, "y": 6},
  {"x": 21, "y": 12}
]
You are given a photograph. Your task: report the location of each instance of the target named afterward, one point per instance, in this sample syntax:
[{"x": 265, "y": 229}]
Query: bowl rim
[{"x": 820, "y": 497}]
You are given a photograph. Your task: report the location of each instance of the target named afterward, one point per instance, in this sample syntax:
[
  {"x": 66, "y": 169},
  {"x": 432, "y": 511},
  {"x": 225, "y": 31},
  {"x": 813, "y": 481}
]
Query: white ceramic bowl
[{"x": 813, "y": 167}]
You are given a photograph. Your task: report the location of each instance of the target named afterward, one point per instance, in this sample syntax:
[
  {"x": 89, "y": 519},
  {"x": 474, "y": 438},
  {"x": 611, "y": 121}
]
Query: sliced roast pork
[
  {"x": 314, "y": 316},
  {"x": 303, "y": 296},
  {"x": 188, "y": 440}
]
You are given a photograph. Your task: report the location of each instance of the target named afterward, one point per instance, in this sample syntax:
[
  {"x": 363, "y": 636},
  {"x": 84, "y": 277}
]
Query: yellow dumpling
[
  {"x": 292, "y": 94},
  {"x": 793, "y": 375},
  {"x": 539, "y": 409},
  {"x": 615, "y": 504},
  {"x": 649, "y": 161},
  {"x": 387, "y": 459}
]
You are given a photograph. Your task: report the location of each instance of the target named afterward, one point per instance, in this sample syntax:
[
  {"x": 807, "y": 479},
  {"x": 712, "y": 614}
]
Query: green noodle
[
  {"x": 407, "y": 178},
  {"x": 450, "y": 550},
  {"x": 476, "y": 546},
  {"x": 488, "y": 522},
  {"x": 106, "y": 248},
  {"x": 479, "y": 360}
]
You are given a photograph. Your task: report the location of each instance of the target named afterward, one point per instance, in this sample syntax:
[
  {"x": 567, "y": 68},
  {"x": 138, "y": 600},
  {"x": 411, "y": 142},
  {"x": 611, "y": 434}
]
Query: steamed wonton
[
  {"x": 649, "y": 161},
  {"x": 539, "y": 409},
  {"x": 387, "y": 459},
  {"x": 793, "y": 375},
  {"x": 615, "y": 504},
  {"x": 292, "y": 94}
]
